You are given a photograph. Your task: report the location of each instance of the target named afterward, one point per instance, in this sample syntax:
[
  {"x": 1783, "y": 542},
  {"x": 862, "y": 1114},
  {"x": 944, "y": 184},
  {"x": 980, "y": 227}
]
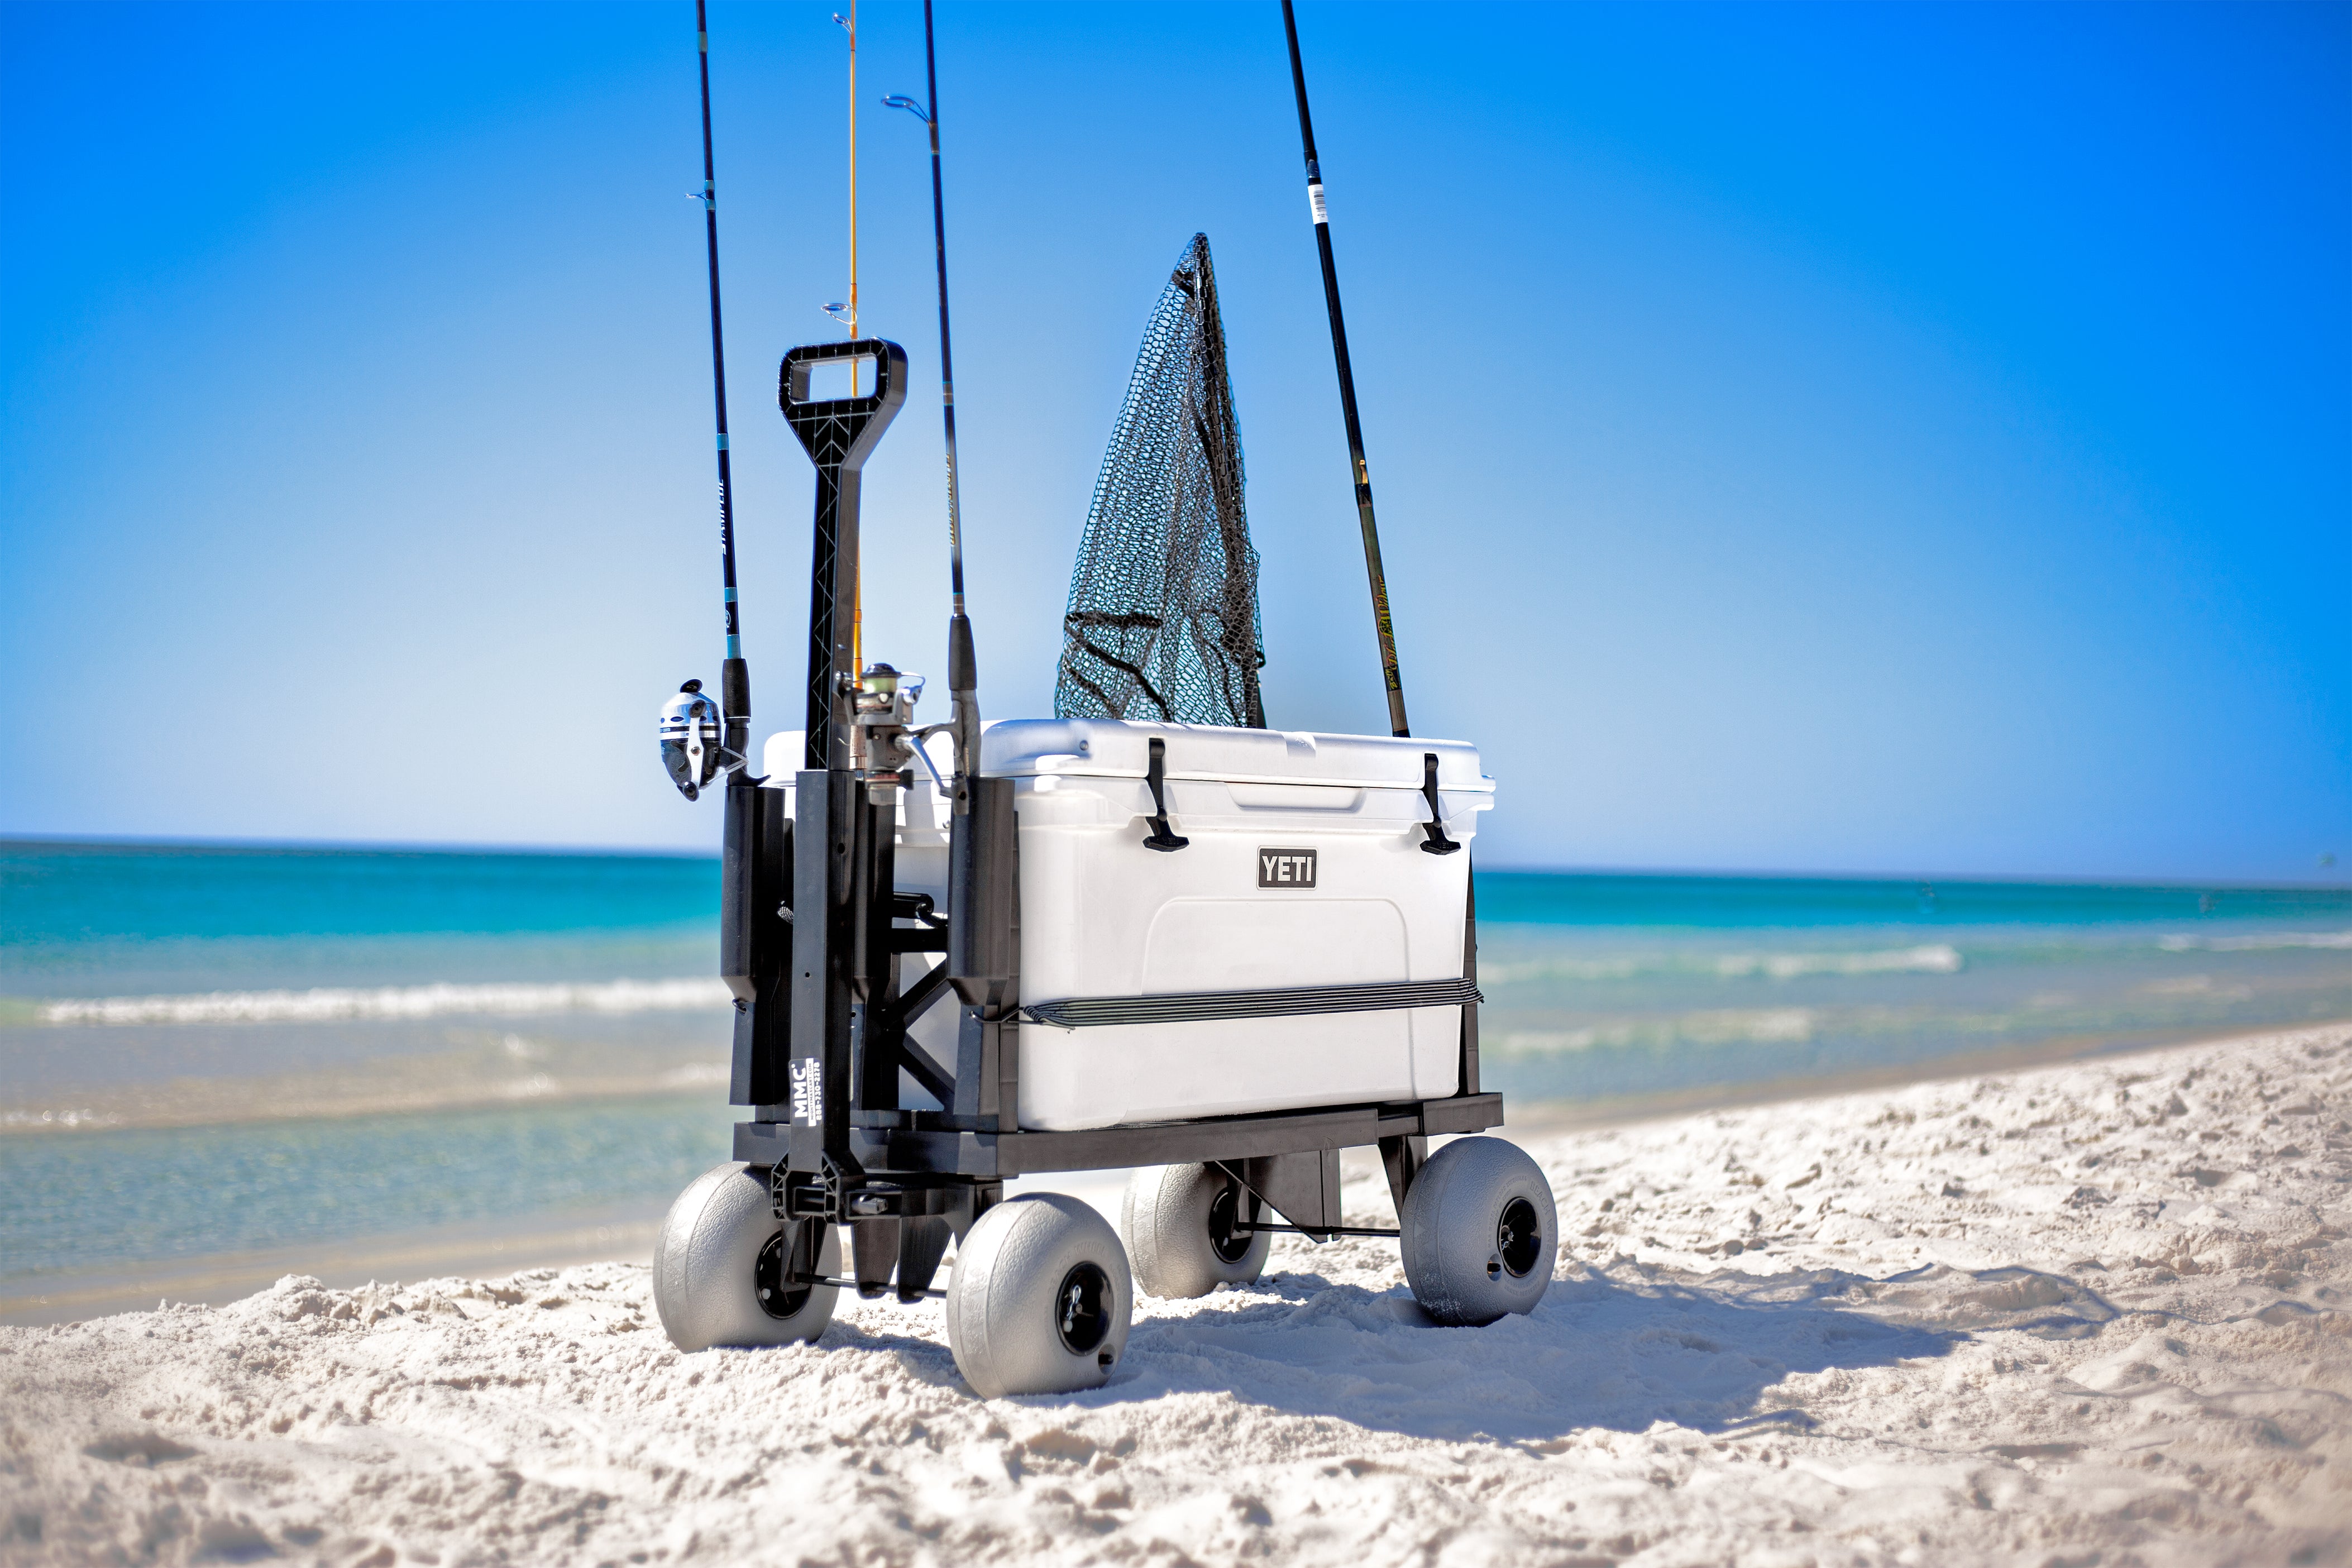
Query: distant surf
[
  {"x": 330, "y": 1005},
  {"x": 1931, "y": 958},
  {"x": 2257, "y": 943}
]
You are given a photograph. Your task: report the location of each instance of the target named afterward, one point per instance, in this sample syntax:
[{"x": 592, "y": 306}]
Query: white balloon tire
[
  {"x": 705, "y": 1256},
  {"x": 1452, "y": 1259},
  {"x": 1163, "y": 1217},
  {"x": 1003, "y": 1296}
]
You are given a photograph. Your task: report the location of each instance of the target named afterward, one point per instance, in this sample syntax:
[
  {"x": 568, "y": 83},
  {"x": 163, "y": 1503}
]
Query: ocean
[{"x": 220, "y": 1061}]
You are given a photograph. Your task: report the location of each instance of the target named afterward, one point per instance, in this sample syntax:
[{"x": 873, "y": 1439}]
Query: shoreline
[
  {"x": 386, "y": 1086},
  {"x": 421, "y": 1085},
  {"x": 625, "y": 1232},
  {"x": 1544, "y": 1117}
]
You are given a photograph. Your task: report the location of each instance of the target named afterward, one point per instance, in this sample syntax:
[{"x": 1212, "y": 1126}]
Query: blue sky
[{"x": 1840, "y": 439}]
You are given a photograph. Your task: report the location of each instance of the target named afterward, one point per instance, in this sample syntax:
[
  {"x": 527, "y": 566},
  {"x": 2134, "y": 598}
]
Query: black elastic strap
[
  {"x": 1290, "y": 1001},
  {"x": 1156, "y": 777},
  {"x": 1436, "y": 843}
]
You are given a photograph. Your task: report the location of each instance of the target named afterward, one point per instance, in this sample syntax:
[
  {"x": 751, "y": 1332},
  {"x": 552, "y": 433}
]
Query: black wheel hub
[
  {"x": 1082, "y": 1309},
  {"x": 1518, "y": 1237},
  {"x": 1229, "y": 1243},
  {"x": 779, "y": 1262}
]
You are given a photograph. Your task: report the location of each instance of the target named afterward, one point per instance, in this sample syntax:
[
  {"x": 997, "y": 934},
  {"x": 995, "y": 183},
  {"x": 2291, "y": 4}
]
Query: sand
[{"x": 2094, "y": 1313}]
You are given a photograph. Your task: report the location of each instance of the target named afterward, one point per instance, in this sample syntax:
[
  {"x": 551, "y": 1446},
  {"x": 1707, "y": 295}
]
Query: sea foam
[
  {"x": 336, "y": 1004},
  {"x": 1927, "y": 958},
  {"x": 1713, "y": 1026},
  {"x": 2265, "y": 941}
]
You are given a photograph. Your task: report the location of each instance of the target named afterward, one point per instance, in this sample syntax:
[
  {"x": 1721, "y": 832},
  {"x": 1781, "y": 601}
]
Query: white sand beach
[{"x": 2094, "y": 1313}]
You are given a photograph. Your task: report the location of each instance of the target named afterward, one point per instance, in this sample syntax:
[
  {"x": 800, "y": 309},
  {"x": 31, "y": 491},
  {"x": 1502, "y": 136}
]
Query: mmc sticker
[
  {"x": 1286, "y": 867},
  {"x": 808, "y": 1090}
]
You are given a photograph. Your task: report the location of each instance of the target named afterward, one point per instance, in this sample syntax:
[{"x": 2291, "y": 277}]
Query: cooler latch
[
  {"x": 1156, "y": 777},
  {"x": 1436, "y": 843}
]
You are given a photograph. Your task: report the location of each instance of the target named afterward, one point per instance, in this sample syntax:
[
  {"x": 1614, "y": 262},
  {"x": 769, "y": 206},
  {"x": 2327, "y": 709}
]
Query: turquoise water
[
  {"x": 1749, "y": 903},
  {"x": 1601, "y": 986},
  {"x": 95, "y": 1202},
  {"x": 118, "y": 918},
  {"x": 205, "y": 1050}
]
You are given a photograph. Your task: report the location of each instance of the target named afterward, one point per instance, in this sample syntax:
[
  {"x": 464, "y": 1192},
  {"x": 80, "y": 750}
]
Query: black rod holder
[{"x": 842, "y": 839}]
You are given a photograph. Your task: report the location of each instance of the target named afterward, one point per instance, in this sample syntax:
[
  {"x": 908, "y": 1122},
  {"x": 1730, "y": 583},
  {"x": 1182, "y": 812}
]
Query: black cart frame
[{"x": 814, "y": 930}]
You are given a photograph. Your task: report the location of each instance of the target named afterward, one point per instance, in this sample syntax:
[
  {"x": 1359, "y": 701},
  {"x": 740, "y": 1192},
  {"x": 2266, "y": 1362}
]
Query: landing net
[{"x": 1162, "y": 621}]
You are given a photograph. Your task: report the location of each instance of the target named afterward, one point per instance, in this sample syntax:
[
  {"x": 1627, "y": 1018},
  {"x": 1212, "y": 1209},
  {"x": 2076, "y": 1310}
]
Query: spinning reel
[{"x": 691, "y": 750}]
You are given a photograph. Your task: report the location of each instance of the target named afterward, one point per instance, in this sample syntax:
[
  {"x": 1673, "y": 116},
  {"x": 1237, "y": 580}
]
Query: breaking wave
[
  {"x": 1928, "y": 958},
  {"x": 327, "y": 1005},
  {"x": 2265, "y": 941},
  {"x": 1716, "y": 1026}
]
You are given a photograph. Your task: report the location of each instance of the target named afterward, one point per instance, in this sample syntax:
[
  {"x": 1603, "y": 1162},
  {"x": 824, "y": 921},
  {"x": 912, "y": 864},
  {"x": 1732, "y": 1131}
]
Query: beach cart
[
  {"x": 1223, "y": 954},
  {"x": 1151, "y": 932}
]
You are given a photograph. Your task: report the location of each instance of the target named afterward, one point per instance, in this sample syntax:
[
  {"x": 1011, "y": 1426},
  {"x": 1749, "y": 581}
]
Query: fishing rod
[
  {"x": 735, "y": 676},
  {"x": 848, "y": 318},
  {"x": 963, "y": 676},
  {"x": 1315, "y": 203}
]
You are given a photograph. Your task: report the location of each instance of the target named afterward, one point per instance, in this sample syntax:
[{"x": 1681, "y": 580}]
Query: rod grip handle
[{"x": 963, "y": 671}]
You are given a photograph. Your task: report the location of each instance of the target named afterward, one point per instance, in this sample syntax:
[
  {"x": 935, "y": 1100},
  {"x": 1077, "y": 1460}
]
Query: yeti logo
[
  {"x": 808, "y": 1090},
  {"x": 1285, "y": 868}
]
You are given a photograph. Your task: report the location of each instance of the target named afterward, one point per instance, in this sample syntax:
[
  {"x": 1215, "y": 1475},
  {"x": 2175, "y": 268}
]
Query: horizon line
[{"x": 437, "y": 846}]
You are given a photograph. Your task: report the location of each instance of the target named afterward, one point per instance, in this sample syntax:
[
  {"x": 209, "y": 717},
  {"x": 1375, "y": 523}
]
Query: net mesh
[{"x": 1162, "y": 621}]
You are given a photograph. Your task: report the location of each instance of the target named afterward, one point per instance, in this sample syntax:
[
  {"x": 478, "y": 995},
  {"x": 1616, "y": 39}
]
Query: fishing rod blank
[
  {"x": 1322, "y": 216},
  {"x": 735, "y": 676},
  {"x": 963, "y": 676}
]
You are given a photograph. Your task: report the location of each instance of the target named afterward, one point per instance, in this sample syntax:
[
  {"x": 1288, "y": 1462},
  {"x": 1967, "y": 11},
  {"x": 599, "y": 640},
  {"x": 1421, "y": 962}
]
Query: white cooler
[
  {"x": 1305, "y": 869},
  {"x": 1104, "y": 917}
]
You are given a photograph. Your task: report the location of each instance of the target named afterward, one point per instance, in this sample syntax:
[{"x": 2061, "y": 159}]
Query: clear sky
[{"x": 1841, "y": 438}]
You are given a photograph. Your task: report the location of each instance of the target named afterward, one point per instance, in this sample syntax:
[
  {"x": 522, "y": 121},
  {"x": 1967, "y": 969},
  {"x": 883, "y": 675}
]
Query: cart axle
[
  {"x": 1316, "y": 1230},
  {"x": 853, "y": 1285}
]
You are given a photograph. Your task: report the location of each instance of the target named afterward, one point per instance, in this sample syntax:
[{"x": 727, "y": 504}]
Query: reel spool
[
  {"x": 690, "y": 748},
  {"x": 882, "y": 706}
]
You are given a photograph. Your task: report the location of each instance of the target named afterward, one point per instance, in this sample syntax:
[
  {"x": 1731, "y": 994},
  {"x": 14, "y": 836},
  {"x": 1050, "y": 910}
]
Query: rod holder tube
[{"x": 818, "y": 1085}]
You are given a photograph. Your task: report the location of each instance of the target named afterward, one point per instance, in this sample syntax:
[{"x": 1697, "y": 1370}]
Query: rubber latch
[
  {"x": 1436, "y": 843},
  {"x": 1156, "y": 776}
]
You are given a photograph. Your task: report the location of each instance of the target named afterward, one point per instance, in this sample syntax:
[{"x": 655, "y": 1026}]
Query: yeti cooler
[{"x": 1301, "y": 948}]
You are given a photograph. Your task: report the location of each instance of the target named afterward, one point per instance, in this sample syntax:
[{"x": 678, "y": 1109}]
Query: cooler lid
[{"x": 1112, "y": 748}]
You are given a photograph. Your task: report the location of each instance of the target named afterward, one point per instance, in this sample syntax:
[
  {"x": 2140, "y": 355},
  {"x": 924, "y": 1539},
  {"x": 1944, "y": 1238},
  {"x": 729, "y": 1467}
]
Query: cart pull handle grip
[
  {"x": 840, "y": 431},
  {"x": 1156, "y": 777},
  {"x": 1436, "y": 843}
]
